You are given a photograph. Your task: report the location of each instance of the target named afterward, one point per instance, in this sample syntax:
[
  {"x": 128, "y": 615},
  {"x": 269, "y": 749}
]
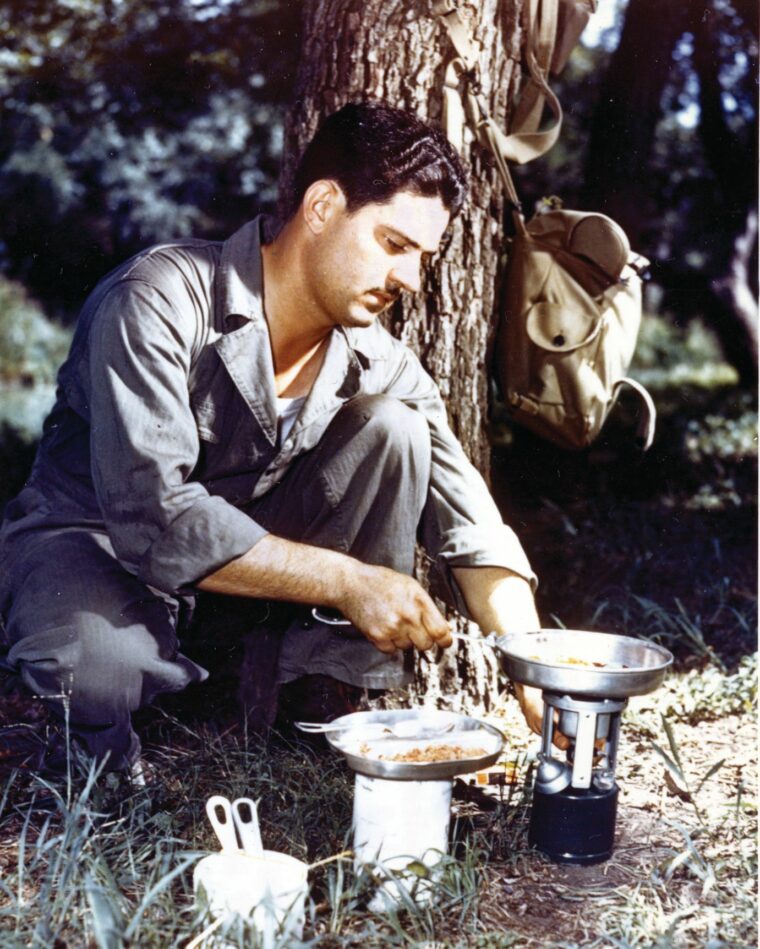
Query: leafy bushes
[{"x": 32, "y": 347}]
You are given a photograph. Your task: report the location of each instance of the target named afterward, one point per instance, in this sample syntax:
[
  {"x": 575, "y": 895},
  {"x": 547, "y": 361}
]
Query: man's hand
[
  {"x": 389, "y": 608},
  {"x": 393, "y": 611},
  {"x": 532, "y": 707}
]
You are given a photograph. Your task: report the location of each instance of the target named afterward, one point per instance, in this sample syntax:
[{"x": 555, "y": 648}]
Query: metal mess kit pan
[
  {"x": 369, "y": 748},
  {"x": 583, "y": 663}
]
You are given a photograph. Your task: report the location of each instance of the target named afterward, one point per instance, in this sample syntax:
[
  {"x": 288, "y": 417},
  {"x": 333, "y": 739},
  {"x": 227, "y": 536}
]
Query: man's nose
[{"x": 407, "y": 275}]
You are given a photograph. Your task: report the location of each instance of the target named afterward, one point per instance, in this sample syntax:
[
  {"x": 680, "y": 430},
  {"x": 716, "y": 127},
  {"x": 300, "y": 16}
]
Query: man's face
[{"x": 361, "y": 262}]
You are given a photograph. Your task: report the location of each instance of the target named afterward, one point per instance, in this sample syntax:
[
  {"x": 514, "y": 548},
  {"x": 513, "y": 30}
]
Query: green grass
[
  {"x": 662, "y": 547},
  {"x": 112, "y": 866}
]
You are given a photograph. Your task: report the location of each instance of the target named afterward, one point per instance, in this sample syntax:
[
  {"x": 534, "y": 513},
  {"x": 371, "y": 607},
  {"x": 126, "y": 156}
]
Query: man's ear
[{"x": 321, "y": 201}]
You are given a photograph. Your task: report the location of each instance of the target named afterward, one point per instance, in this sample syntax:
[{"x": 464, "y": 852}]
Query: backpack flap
[
  {"x": 558, "y": 329},
  {"x": 595, "y": 248},
  {"x": 569, "y": 331},
  {"x": 600, "y": 240}
]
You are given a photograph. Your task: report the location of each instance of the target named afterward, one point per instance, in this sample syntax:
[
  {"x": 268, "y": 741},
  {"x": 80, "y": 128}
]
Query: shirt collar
[{"x": 240, "y": 286}]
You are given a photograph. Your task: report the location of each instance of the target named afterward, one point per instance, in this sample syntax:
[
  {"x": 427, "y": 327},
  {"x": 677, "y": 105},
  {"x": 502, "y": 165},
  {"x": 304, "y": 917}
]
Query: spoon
[
  {"x": 402, "y": 729},
  {"x": 489, "y": 640}
]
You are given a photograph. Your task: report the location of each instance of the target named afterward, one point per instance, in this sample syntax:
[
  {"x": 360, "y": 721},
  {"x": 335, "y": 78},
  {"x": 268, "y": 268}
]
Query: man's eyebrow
[{"x": 405, "y": 239}]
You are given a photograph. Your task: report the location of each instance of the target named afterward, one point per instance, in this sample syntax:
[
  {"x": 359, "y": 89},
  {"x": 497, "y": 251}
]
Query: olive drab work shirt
[{"x": 165, "y": 421}]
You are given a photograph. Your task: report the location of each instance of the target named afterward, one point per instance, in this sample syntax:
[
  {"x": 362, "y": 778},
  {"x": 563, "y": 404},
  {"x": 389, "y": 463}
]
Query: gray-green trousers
[{"x": 80, "y": 626}]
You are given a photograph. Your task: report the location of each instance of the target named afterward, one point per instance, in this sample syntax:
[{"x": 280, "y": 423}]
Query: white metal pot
[{"x": 400, "y": 834}]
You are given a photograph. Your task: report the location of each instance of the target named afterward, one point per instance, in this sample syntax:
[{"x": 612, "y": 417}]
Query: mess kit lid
[{"x": 431, "y": 744}]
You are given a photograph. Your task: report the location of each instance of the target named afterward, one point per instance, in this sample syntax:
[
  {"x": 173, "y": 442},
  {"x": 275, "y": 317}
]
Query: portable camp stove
[{"x": 586, "y": 680}]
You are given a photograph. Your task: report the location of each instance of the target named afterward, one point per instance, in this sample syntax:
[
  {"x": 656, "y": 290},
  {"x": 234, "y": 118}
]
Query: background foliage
[{"x": 126, "y": 122}]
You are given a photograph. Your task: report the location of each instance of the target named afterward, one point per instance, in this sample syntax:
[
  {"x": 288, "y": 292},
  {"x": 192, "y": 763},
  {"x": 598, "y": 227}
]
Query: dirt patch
[
  {"x": 555, "y": 903},
  {"x": 547, "y": 904}
]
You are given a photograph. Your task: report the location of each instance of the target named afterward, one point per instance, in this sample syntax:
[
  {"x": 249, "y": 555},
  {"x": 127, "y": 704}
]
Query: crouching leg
[{"x": 92, "y": 640}]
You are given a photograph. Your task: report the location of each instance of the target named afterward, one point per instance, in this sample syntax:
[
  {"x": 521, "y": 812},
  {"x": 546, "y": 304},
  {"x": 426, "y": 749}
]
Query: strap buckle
[{"x": 444, "y": 7}]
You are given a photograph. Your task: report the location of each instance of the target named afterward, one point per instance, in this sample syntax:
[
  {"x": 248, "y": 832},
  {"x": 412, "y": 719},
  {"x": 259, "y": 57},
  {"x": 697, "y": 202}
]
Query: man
[{"x": 232, "y": 419}]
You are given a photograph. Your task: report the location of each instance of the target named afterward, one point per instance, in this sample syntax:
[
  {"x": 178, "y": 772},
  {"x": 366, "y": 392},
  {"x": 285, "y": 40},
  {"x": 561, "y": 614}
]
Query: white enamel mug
[{"x": 269, "y": 890}]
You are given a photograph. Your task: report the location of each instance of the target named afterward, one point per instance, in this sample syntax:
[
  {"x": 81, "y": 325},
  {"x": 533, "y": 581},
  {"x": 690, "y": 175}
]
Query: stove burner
[
  {"x": 575, "y": 801},
  {"x": 586, "y": 679}
]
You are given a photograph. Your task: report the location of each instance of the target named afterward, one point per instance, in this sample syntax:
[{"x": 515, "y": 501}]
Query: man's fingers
[
  {"x": 561, "y": 741},
  {"x": 532, "y": 707},
  {"x": 384, "y": 644},
  {"x": 436, "y": 626},
  {"x": 420, "y": 638},
  {"x": 443, "y": 638}
]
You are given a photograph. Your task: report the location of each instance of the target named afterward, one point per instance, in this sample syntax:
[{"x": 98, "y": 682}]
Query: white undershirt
[{"x": 287, "y": 412}]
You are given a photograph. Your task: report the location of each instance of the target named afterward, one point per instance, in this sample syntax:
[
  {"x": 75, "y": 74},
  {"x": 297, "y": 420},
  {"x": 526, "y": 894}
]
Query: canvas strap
[
  {"x": 648, "y": 412},
  {"x": 525, "y": 141}
]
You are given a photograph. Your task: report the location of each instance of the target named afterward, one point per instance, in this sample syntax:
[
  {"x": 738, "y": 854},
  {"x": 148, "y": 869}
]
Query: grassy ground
[{"x": 662, "y": 547}]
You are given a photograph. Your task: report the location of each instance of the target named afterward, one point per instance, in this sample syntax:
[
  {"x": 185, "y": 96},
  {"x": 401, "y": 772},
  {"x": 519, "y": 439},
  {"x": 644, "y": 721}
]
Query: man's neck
[{"x": 298, "y": 342}]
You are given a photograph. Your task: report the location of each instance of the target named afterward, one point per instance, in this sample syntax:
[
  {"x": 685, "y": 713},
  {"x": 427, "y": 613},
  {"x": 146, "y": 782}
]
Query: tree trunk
[
  {"x": 395, "y": 51},
  {"x": 733, "y": 291}
]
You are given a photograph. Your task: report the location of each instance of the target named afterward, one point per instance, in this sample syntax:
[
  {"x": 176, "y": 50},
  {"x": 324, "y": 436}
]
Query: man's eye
[{"x": 395, "y": 246}]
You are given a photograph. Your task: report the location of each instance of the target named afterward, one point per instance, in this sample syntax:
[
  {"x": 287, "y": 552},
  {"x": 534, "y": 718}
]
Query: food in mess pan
[
  {"x": 428, "y": 753},
  {"x": 574, "y": 661}
]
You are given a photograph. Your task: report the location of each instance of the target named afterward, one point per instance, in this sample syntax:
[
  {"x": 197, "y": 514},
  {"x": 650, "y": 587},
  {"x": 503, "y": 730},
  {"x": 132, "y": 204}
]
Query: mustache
[{"x": 389, "y": 295}]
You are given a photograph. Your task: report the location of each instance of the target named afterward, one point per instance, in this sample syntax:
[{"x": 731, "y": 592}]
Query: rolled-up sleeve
[
  {"x": 144, "y": 444},
  {"x": 461, "y": 525}
]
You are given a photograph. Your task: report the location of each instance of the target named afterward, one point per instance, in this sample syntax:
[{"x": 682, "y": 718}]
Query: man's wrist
[{"x": 344, "y": 575}]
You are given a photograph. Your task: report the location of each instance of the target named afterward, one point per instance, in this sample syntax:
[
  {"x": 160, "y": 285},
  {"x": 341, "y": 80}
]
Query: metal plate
[
  {"x": 600, "y": 664},
  {"x": 465, "y": 732}
]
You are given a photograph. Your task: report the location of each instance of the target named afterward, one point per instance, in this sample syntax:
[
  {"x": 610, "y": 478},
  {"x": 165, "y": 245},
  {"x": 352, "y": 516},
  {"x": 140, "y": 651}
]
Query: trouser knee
[
  {"x": 99, "y": 674},
  {"x": 88, "y": 636},
  {"x": 387, "y": 454},
  {"x": 363, "y": 488},
  {"x": 389, "y": 427}
]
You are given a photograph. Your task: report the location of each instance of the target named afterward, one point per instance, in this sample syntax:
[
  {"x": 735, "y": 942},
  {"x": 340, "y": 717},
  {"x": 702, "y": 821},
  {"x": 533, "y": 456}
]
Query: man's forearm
[
  {"x": 498, "y": 600},
  {"x": 280, "y": 569},
  {"x": 502, "y": 602}
]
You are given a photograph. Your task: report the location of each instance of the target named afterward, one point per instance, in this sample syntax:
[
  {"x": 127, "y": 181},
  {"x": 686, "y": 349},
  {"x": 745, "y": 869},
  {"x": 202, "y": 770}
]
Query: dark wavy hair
[{"x": 373, "y": 152}]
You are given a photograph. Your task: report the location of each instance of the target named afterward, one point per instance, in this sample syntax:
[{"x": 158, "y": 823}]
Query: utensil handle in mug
[
  {"x": 246, "y": 818},
  {"x": 219, "y": 811}
]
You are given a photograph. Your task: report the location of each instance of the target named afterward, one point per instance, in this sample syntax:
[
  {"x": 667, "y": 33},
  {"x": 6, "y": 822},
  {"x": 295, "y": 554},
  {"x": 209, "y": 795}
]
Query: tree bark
[
  {"x": 735, "y": 302},
  {"x": 396, "y": 51},
  {"x": 733, "y": 291}
]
